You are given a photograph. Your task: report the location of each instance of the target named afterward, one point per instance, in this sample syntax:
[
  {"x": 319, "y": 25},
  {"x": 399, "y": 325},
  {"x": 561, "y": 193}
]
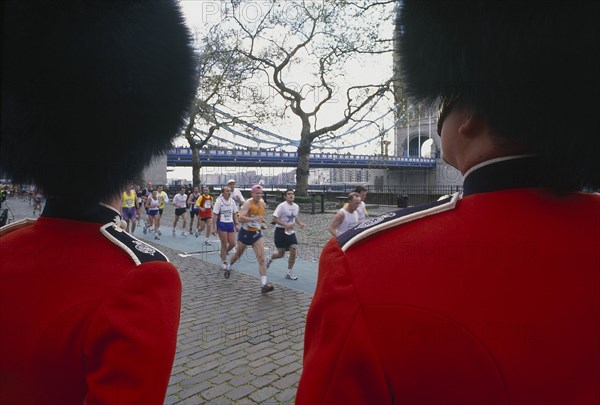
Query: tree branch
[{"x": 351, "y": 112}]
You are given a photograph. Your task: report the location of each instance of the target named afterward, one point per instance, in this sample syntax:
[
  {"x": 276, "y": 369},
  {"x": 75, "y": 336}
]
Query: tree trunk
[
  {"x": 196, "y": 165},
  {"x": 303, "y": 169}
]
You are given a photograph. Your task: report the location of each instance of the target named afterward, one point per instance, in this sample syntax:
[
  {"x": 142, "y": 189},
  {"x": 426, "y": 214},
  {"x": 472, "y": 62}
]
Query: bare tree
[
  {"x": 314, "y": 42},
  {"x": 221, "y": 72}
]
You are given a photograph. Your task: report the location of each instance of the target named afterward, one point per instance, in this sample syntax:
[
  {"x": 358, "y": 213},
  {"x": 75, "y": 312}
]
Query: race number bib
[
  {"x": 254, "y": 224},
  {"x": 207, "y": 204}
]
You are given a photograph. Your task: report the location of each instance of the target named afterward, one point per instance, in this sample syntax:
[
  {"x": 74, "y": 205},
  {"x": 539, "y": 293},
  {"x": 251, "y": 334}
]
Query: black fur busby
[
  {"x": 91, "y": 91},
  {"x": 530, "y": 67}
]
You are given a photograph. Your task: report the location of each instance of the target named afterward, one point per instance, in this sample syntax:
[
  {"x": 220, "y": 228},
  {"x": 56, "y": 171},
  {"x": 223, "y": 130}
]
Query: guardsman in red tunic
[
  {"x": 90, "y": 90},
  {"x": 492, "y": 295}
]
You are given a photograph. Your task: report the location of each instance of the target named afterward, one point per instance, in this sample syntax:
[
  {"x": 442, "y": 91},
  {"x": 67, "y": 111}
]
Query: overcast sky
[{"x": 201, "y": 14}]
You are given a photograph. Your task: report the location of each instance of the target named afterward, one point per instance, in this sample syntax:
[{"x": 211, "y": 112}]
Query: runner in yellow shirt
[
  {"x": 129, "y": 207},
  {"x": 163, "y": 198},
  {"x": 252, "y": 218}
]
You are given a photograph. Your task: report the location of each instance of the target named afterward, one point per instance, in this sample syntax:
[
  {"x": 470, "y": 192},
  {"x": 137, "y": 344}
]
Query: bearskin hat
[
  {"x": 530, "y": 68},
  {"x": 91, "y": 91}
]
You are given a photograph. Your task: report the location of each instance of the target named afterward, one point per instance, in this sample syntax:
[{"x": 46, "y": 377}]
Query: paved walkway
[{"x": 235, "y": 345}]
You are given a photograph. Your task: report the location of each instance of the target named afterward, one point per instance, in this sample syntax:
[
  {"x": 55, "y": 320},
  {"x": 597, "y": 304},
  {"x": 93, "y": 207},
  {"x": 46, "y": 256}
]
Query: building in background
[{"x": 156, "y": 171}]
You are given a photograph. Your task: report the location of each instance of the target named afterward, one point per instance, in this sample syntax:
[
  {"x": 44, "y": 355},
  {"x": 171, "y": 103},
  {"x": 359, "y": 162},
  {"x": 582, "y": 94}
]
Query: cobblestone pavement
[{"x": 235, "y": 345}]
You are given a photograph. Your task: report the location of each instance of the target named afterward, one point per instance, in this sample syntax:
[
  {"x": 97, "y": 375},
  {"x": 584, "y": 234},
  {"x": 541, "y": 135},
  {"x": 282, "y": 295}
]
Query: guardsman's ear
[{"x": 472, "y": 125}]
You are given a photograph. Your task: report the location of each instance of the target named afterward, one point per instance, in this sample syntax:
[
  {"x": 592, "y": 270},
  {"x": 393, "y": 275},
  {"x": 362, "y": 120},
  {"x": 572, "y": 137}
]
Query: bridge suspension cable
[{"x": 317, "y": 144}]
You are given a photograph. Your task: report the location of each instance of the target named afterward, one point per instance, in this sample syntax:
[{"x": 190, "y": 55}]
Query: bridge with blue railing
[{"x": 269, "y": 158}]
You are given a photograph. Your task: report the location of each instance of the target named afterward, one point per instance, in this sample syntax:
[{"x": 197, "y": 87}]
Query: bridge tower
[{"x": 415, "y": 134}]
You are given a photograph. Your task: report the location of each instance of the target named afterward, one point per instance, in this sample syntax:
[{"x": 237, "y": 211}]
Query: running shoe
[
  {"x": 156, "y": 237},
  {"x": 145, "y": 230},
  {"x": 224, "y": 265},
  {"x": 159, "y": 233},
  {"x": 174, "y": 232},
  {"x": 184, "y": 233},
  {"x": 207, "y": 242},
  {"x": 269, "y": 261},
  {"x": 227, "y": 272},
  {"x": 196, "y": 234},
  {"x": 267, "y": 288},
  {"x": 291, "y": 276}
]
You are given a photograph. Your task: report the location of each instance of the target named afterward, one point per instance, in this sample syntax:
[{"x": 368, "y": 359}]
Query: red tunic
[
  {"x": 88, "y": 314},
  {"x": 489, "y": 299}
]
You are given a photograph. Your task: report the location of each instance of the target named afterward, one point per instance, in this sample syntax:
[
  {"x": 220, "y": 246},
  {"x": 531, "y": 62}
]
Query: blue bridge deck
[{"x": 266, "y": 158}]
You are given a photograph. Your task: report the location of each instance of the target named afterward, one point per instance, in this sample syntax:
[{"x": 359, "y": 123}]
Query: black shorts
[
  {"x": 204, "y": 219},
  {"x": 283, "y": 240},
  {"x": 160, "y": 211},
  {"x": 179, "y": 211}
]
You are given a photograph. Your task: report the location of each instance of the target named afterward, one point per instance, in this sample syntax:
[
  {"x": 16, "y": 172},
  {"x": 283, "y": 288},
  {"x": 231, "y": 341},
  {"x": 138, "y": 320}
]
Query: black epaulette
[
  {"x": 374, "y": 225},
  {"x": 138, "y": 250}
]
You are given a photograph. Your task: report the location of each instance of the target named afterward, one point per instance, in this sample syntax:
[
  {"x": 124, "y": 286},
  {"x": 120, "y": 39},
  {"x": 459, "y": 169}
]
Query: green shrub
[{"x": 304, "y": 200}]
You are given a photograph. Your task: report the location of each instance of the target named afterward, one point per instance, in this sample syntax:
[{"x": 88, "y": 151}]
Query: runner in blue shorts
[
  {"x": 252, "y": 218},
  {"x": 152, "y": 205},
  {"x": 191, "y": 202},
  {"x": 224, "y": 221}
]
